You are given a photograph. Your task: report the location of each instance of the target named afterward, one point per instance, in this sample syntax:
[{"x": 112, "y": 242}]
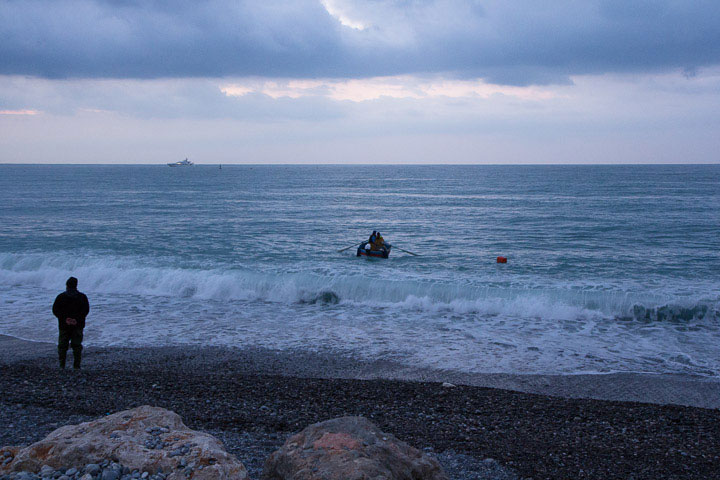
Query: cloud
[
  {"x": 19, "y": 112},
  {"x": 159, "y": 98},
  {"x": 382, "y": 104},
  {"x": 338, "y": 10},
  {"x": 508, "y": 42},
  {"x": 361, "y": 90},
  {"x": 607, "y": 118}
]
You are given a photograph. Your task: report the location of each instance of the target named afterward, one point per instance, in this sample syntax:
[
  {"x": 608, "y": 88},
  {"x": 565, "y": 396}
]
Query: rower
[{"x": 379, "y": 243}]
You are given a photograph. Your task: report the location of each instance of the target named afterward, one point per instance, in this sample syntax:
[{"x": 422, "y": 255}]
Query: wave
[
  {"x": 673, "y": 313},
  {"x": 119, "y": 276}
]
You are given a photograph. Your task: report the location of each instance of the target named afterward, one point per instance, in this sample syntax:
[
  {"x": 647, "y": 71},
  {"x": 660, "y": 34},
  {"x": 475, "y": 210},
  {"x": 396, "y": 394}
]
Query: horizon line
[{"x": 370, "y": 164}]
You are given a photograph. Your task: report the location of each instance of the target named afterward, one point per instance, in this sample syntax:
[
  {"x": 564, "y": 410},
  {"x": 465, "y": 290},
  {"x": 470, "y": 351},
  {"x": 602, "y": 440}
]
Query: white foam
[{"x": 111, "y": 275}]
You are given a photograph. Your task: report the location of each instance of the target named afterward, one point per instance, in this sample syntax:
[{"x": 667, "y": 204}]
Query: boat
[
  {"x": 363, "y": 252},
  {"x": 182, "y": 163}
]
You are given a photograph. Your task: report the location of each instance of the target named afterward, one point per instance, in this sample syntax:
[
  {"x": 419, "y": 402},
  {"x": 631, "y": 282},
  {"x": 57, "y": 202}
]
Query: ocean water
[{"x": 610, "y": 268}]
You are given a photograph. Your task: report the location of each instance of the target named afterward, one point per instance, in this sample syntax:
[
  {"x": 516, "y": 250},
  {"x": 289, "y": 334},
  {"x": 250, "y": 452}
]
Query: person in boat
[
  {"x": 370, "y": 241},
  {"x": 379, "y": 243}
]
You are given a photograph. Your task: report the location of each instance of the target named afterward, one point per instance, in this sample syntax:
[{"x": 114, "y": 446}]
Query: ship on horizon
[{"x": 182, "y": 163}]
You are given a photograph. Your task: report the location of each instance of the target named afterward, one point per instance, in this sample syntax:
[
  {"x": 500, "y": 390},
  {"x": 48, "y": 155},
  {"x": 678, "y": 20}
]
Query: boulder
[
  {"x": 145, "y": 438},
  {"x": 349, "y": 448}
]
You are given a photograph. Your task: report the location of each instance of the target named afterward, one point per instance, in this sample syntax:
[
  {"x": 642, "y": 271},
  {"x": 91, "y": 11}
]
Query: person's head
[
  {"x": 374, "y": 232},
  {"x": 71, "y": 283},
  {"x": 378, "y": 234}
]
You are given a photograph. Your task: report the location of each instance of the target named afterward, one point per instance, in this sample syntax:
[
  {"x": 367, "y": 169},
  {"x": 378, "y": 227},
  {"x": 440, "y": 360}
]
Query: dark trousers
[{"x": 74, "y": 337}]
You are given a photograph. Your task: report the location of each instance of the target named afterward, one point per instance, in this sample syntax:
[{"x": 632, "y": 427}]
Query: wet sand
[{"x": 666, "y": 389}]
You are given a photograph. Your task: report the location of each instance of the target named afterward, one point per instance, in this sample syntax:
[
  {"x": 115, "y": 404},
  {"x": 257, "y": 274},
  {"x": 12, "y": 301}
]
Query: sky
[{"x": 360, "y": 81}]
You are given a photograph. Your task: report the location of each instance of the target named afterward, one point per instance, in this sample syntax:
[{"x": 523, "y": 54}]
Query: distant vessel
[{"x": 183, "y": 163}]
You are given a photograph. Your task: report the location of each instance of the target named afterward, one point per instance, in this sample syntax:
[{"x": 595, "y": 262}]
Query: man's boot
[
  {"x": 62, "y": 355},
  {"x": 77, "y": 356}
]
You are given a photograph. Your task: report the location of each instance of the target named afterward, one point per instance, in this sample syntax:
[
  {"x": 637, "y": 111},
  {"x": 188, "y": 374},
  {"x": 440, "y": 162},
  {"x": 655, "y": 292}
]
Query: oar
[
  {"x": 351, "y": 246},
  {"x": 406, "y": 251}
]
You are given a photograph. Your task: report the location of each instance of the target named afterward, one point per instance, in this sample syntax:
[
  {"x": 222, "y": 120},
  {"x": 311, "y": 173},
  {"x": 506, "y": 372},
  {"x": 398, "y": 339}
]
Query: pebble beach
[{"x": 253, "y": 400}]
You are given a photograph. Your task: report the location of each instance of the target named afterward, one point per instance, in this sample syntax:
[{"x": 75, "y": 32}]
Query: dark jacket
[{"x": 71, "y": 304}]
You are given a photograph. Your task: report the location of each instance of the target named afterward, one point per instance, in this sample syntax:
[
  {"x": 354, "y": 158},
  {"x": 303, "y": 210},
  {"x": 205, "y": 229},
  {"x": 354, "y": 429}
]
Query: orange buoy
[{"x": 502, "y": 260}]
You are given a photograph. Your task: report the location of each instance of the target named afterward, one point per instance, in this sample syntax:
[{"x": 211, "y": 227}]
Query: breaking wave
[{"x": 131, "y": 276}]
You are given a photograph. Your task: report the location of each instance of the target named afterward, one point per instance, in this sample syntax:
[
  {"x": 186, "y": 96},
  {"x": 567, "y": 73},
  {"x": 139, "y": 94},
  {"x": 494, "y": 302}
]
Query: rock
[
  {"x": 71, "y": 471},
  {"x": 87, "y": 476},
  {"x": 349, "y": 448},
  {"x": 90, "y": 444},
  {"x": 110, "y": 474},
  {"x": 448, "y": 385},
  {"x": 46, "y": 471}
]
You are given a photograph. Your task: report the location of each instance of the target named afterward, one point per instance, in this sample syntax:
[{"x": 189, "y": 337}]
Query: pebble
[
  {"x": 110, "y": 474},
  {"x": 46, "y": 471},
  {"x": 92, "y": 471}
]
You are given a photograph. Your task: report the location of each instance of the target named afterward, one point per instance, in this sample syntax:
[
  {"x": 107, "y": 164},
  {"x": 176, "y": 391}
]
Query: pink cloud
[
  {"x": 19, "y": 112},
  {"x": 402, "y": 86}
]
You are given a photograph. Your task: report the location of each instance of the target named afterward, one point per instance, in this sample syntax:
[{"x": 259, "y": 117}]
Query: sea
[{"x": 610, "y": 268}]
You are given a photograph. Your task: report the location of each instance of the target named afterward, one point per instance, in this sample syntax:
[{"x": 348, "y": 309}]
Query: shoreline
[{"x": 655, "y": 388}]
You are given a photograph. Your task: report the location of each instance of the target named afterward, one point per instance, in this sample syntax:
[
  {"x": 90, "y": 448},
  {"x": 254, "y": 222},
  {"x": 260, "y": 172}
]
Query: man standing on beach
[{"x": 71, "y": 307}]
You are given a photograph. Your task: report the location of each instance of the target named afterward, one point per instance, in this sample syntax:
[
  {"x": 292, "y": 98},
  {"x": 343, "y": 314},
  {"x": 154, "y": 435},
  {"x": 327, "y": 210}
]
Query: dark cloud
[{"x": 514, "y": 42}]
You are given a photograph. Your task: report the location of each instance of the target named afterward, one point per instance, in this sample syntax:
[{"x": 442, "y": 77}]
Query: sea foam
[{"x": 112, "y": 275}]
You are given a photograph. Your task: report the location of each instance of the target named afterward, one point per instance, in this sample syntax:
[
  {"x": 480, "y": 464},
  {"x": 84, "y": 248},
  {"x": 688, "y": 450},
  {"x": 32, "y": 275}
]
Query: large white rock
[{"x": 125, "y": 438}]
